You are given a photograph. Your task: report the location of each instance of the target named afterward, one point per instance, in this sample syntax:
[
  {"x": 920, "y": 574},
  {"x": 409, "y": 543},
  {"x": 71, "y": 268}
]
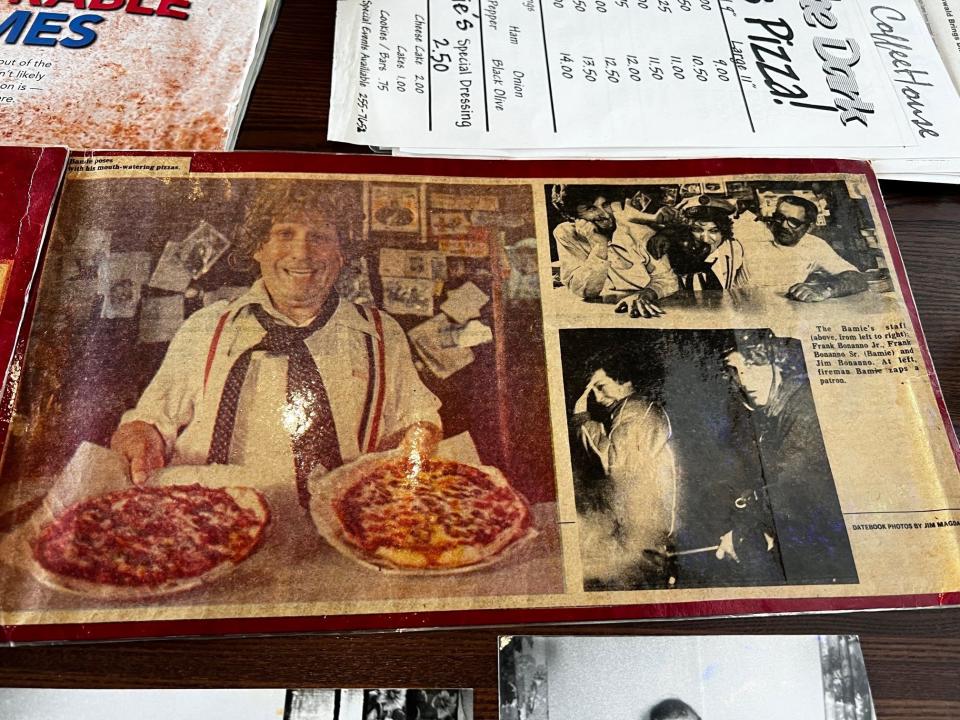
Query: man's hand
[
  {"x": 142, "y": 446},
  {"x": 726, "y": 548},
  {"x": 629, "y": 213},
  {"x": 666, "y": 215},
  {"x": 581, "y": 405},
  {"x": 642, "y": 304},
  {"x": 598, "y": 241},
  {"x": 810, "y": 292}
]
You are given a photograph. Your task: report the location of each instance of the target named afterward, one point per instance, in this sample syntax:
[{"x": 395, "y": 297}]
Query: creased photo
[{"x": 281, "y": 402}]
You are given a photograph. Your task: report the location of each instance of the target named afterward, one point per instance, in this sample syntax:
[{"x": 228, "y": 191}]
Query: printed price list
[{"x": 608, "y": 73}]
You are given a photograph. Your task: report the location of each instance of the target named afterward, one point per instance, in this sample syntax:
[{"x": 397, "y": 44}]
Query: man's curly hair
[
  {"x": 338, "y": 202},
  {"x": 763, "y": 347},
  {"x": 567, "y": 198}
]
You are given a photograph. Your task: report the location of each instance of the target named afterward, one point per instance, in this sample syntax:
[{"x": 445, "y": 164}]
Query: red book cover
[
  {"x": 280, "y": 392},
  {"x": 29, "y": 184}
]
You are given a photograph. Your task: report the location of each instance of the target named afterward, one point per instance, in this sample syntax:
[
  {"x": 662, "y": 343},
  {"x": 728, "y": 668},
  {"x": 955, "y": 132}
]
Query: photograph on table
[
  {"x": 238, "y": 704},
  {"x": 265, "y": 398},
  {"x": 698, "y": 461},
  {"x": 746, "y": 245},
  {"x": 380, "y": 704},
  {"x": 684, "y": 678},
  {"x": 395, "y": 208}
]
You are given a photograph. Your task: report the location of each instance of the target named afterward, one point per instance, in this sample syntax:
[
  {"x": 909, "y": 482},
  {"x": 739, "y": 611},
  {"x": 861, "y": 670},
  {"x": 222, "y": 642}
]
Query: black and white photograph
[
  {"x": 643, "y": 251},
  {"x": 801, "y": 677},
  {"x": 120, "y": 282},
  {"x": 394, "y": 208},
  {"x": 698, "y": 461},
  {"x": 380, "y": 704},
  {"x": 238, "y": 704}
]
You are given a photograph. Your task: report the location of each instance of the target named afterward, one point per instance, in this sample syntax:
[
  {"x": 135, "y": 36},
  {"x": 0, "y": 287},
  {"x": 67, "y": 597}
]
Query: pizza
[
  {"x": 145, "y": 541},
  {"x": 430, "y": 514}
]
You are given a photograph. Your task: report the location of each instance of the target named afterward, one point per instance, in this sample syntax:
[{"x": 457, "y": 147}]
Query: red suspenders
[
  {"x": 213, "y": 347},
  {"x": 376, "y": 386}
]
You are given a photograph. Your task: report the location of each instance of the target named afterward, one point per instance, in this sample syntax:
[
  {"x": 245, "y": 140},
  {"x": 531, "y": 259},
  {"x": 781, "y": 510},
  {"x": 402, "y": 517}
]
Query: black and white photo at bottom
[
  {"x": 698, "y": 461},
  {"x": 238, "y": 704},
  {"x": 801, "y": 677},
  {"x": 380, "y": 704}
]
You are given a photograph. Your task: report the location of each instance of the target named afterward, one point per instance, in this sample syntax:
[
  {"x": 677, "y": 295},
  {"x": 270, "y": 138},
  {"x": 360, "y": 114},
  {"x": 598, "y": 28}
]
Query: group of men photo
[{"x": 635, "y": 247}]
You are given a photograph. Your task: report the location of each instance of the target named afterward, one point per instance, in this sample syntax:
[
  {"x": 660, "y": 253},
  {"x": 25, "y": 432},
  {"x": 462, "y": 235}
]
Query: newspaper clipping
[{"x": 321, "y": 395}]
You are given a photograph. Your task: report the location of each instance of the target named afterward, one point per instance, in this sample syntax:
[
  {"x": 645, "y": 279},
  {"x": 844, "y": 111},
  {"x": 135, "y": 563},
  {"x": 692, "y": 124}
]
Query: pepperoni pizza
[
  {"x": 430, "y": 514},
  {"x": 147, "y": 541}
]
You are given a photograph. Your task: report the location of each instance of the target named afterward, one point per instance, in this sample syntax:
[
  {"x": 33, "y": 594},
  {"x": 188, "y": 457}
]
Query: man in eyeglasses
[{"x": 801, "y": 264}]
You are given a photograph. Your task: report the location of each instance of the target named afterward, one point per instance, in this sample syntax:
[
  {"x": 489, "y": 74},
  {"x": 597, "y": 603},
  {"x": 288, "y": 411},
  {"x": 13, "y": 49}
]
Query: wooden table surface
[{"x": 913, "y": 658}]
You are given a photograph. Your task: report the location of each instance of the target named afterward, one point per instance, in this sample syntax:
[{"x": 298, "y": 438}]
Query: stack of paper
[
  {"x": 652, "y": 79},
  {"x": 173, "y": 75}
]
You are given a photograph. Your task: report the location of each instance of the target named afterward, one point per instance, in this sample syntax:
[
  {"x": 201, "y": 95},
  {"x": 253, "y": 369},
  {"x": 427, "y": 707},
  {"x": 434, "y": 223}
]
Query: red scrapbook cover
[
  {"x": 29, "y": 183},
  {"x": 275, "y": 393}
]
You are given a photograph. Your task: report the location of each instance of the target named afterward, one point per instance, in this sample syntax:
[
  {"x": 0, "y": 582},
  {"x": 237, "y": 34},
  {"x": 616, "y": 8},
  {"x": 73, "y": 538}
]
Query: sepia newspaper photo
[{"x": 275, "y": 392}]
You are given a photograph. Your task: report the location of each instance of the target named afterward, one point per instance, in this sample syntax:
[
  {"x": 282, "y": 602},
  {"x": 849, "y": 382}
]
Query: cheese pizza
[
  {"x": 430, "y": 514},
  {"x": 146, "y": 541}
]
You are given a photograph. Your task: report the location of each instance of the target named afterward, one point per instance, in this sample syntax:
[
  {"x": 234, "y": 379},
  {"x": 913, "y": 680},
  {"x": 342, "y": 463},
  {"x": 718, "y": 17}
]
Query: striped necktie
[{"x": 307, "y": 415}]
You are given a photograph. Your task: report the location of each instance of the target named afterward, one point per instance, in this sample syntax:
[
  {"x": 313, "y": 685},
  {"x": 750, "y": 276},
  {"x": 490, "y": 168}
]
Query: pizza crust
[{"x": 246, "y": 498}]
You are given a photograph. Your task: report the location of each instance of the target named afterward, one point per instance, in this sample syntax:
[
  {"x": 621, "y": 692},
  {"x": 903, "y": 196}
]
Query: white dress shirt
[
  {"x": 770, "y": 264},
  {"x": 628, "y": 266},
  {"x": 183, "y": 398},
  {"x": 637, "y": 456}
]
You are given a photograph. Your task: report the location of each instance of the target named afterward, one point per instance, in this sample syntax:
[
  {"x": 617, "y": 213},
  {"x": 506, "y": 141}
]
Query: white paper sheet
[
  {"x": 47, "y": 704},
  {"x": 726, "y": 75},
  {"x": 943, "y": 19}
]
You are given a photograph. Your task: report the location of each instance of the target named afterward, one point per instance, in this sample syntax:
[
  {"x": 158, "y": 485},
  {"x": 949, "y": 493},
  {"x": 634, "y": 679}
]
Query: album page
[{"x": 357, "y": 392}]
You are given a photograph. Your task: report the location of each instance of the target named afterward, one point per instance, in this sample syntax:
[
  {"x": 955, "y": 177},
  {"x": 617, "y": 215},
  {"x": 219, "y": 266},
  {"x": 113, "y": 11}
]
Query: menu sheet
[
  {"x": 816, "y": 77},
  {"x": 942, "y": 17}
]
